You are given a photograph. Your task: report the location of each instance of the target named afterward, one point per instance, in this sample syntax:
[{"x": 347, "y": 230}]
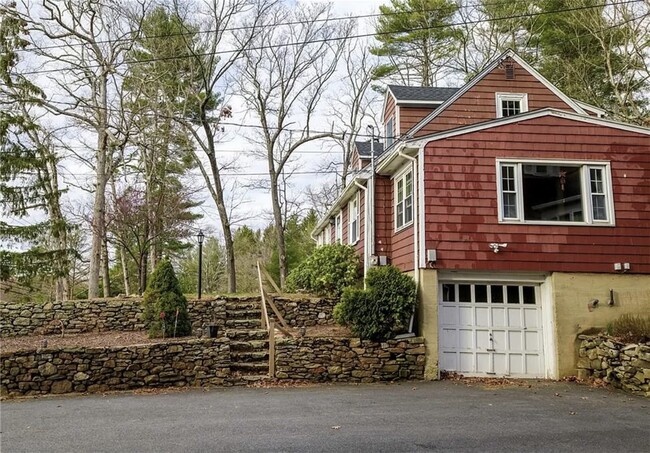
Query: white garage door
[{"x": 491, "y": 329}]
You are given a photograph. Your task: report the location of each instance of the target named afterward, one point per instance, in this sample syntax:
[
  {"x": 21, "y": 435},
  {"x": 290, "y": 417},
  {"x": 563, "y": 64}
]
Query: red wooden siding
[
  {"x": 354, "y": 160},
  {"x": 383, "y": 215},
  {"x": 478, "y": 104},
  {"x": 390, "y": 109},
  {"x": 410, "y": 116},
  {"x": 461, "y": 200},
  {"x": 362, "y": 222}
]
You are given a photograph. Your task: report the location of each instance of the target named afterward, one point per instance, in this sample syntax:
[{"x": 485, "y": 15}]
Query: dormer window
[
  {"x": 510, "y": 104},
  {"x": 390, "y": 131}
]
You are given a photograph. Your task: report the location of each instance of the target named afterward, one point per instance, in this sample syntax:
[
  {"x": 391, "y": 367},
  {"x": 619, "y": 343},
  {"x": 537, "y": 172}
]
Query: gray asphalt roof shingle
[
  {"x": 432, "y": 94},
  {"x": 364, "y": 148}
]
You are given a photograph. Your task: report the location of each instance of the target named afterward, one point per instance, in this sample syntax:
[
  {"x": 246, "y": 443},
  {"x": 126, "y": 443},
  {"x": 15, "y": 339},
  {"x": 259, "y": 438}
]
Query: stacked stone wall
[
  {"x": 197, "y": 362},
  {"x": 98, "y": 315},
  {"x": 625, "y": 366},
  {"x": 349, "y": 359},
  {"x": 305, "y": 312}
]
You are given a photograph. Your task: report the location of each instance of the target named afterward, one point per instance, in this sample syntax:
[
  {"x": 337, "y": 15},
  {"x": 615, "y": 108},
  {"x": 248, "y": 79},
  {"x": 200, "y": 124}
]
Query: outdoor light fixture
[{"x": 199, "y": 237}]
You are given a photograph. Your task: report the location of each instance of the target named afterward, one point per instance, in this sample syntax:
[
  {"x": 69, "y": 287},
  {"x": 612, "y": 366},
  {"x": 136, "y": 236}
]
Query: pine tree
[
  {"x": 163, "y": 299},
  {"x": 28, "y": 170}
]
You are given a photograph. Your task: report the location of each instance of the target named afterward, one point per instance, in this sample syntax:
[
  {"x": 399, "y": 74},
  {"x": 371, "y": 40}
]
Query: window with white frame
[
  {"x": 338, "y": 225},
  {"x": 353, "y": 220},
  {"x": 390, "y": 131},
  {"x": 555, "y": 191},
  {"x": 404, "y": 199},
  {"x": 509, "y": 104}
]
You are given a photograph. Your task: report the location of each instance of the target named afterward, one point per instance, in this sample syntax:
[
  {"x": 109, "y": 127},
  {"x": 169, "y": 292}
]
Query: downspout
[
  {"x": 416, "y": 221},
  {"x": 366, "y": 255}
]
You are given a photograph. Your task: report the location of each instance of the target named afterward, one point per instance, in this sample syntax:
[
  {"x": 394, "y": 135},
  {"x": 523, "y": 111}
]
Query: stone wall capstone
[
  {"x": 196, "y": 362},
  {"x": 624, "y": 366},
  {"x": 349, "y": 359}
]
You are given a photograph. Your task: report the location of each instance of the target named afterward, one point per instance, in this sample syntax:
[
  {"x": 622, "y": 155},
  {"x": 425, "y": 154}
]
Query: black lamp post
[{"x": 199, "y": 237}]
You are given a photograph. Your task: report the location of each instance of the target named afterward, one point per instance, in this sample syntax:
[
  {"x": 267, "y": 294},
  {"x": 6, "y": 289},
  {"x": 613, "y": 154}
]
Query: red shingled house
[{"x": 514, "y": 207}]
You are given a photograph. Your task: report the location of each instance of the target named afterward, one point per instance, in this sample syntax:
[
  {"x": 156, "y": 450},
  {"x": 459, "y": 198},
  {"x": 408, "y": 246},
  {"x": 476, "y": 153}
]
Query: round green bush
[
  {"x": 163, "y": 295},
  {"x": 383, "y": 309},
  {"x": 326, "y": 271}
]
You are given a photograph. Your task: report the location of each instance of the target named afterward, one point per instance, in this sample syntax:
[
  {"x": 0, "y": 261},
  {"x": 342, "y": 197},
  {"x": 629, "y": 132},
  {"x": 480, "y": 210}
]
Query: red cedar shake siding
[
  {"x": 389, "y": 110},
  {"x": 383, "y": 215},
  {"x": 461, "y": 200},
  {"x": 478, "y": 104},
  {"x": 362, "y": 222},
  {"x": 410, "y": 116}
]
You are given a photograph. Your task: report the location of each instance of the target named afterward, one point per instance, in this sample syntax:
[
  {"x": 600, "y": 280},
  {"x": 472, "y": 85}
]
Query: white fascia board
[
  {"x": 383, "y": 107},
  {"x": 340, "y": 202},
  {"x": 422, "y": 141},
  {"x": 591, "y": 108}
]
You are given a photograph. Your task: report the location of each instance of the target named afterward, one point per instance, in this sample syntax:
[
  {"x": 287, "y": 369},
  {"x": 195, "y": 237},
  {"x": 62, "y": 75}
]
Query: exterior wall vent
[{"x": 510, "y": 70}]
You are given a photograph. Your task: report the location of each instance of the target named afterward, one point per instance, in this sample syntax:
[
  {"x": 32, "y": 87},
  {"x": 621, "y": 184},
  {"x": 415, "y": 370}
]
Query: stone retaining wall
[
  {"x": 625, "y": 366},
  {"x": 196, "y": 362},
  {"x": 349, "y": 359},
  {"x": 305, "y": 312},
  {"x": 98, "y": 315}
]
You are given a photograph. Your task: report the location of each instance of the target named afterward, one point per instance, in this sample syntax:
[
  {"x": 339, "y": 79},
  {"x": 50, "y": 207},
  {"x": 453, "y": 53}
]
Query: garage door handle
[{"x": 490, "y": 350}]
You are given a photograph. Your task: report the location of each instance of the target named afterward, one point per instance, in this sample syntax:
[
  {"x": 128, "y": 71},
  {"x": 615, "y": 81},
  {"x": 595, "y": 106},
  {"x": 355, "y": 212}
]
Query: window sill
[
  {"x": 549, "y": 223},
  {"x": 354, "y": 243},
  {"x": 403, "y": 227}
]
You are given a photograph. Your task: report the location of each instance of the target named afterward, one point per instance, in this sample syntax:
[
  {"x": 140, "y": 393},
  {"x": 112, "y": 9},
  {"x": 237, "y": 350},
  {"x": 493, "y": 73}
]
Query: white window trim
[
  {"x": 389, "y": 135},
  {"x": 401, "y": 175},
  {"x": 354, "y": 199},
  {"x": 586, "y": 191},
  {"x": 521, "y": 97},
  {"x": 338, "y": 228}
]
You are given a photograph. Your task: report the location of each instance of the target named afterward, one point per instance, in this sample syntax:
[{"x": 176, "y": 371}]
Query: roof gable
[{"x": 509, "y": 54}]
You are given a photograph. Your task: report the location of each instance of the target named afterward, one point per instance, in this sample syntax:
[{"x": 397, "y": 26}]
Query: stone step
[
  {"x": 250, "y": 356},
  {"x": 244, "y": 323},
  {"x": 247, "y": 334},
  {"x": 247, "y": 379},
  {"x": 251, "y": 345},
  {"x": 243, "y": 305},
  {"x": 246, "y": 368},
  {"x": 244, "y": 314}
]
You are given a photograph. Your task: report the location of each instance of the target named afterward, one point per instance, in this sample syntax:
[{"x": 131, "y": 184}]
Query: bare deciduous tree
[{"x": 282, "y": 77}]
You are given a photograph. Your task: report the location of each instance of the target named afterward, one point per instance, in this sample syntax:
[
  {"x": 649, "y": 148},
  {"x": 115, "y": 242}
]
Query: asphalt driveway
[{"x": 431, "y": 416}]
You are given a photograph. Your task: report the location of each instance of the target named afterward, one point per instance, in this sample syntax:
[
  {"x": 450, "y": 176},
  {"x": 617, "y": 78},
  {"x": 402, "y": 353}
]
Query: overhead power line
[{"x": 340, "y": 38}]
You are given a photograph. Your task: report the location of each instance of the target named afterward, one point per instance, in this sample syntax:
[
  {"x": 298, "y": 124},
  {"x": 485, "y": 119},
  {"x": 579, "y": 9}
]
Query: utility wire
[
  {"x": 341, "y": 38},
  {"x": 474, "y": 6}
]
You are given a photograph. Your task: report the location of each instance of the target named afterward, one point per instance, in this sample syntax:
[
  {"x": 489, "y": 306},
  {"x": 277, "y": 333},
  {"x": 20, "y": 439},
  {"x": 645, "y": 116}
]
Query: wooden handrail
[{"x": 265, "y": 316}]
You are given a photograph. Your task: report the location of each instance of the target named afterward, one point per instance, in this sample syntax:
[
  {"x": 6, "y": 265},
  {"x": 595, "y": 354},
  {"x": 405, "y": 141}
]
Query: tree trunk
[
  {"x": 106, "y": 278},
  {"x": 125, "y": 272},
  {"x": 279, "y": 227}
]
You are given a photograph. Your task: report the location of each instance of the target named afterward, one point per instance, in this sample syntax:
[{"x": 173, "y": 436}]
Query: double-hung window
[
  {"x": 353, "y": 220},
  {"x": 569, "y": 192},
  {"x": 338, "y": 225},
  {"x": 404, "y": 200},
  {"x": 509, "y": 104}
]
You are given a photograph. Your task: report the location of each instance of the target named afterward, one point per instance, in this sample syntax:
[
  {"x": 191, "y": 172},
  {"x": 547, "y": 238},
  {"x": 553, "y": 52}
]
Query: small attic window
[
  {"x": 509, "y": 67},
  {"x": 510, "y": 104}
]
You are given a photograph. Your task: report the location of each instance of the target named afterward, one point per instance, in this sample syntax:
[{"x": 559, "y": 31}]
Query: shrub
[
  {"x": 163, "y": 295},
  {"x": 630, "y": 328},
  {"x": 326, "y": 271},
  {"x": 383, "y": 309}
]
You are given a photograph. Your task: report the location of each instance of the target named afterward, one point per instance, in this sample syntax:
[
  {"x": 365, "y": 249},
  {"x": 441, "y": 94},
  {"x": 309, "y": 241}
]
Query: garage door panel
[
  {"x": 515, "y": 340},
  {"x": 492, "y": 329},
  {"x": 532, "y": 341},
  {"x": 449, "y": 338},
  {"x": 466, "y": 362},
  {"x": 449, "y": 316},
  {"x": 482, "y": 317},
  {"x": 516, "y": 363},
  {"x": 498, "y": 317},
  {"x": 466, "y": 316},
  {"x": 531, "y": 318},
  {"x": 466, "y": 339}
]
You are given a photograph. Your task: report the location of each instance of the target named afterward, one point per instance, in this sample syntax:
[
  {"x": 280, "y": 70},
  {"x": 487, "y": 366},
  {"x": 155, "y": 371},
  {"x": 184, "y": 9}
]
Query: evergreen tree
[
  {"x": 416, "y": 39},
  {"x": 28, "y": 170},
  {"x": 165, "y": 306}
]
